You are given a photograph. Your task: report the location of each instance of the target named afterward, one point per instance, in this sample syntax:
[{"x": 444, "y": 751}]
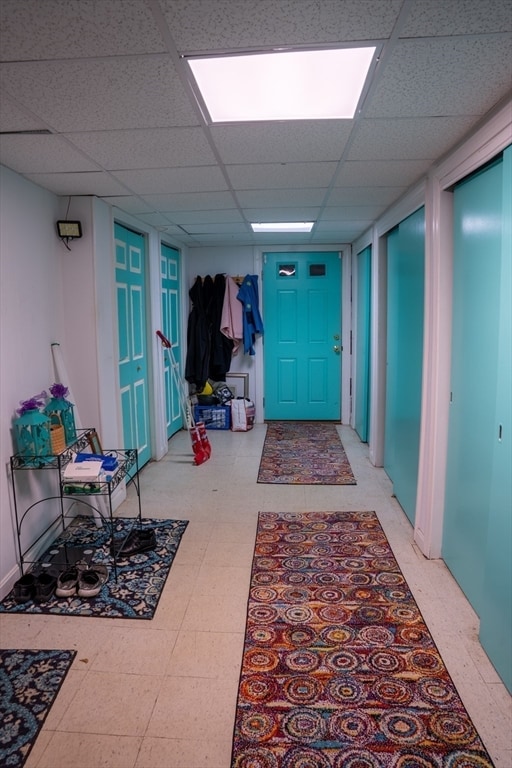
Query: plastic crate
[{"x": 213, "y": 416}]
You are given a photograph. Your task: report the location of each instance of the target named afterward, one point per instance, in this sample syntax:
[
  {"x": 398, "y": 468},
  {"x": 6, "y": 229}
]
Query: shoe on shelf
[
  {"x": 138, "y": 540},
  {"x": 25, "y": 588},
  {"x": 45, "y": 586},
  {"x": 91, "y": 580}
]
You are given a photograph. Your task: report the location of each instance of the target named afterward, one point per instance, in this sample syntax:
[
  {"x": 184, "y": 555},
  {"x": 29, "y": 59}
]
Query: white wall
[{"x": 32, "y": 315}]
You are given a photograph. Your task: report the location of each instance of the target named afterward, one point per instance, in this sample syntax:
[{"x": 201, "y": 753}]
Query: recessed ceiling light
[
  {"x": 283, "y": 85},
  {"x": 283, "y": 226}
]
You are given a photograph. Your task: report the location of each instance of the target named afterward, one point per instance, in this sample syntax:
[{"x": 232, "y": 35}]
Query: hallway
[{"x": 162, "y": 693}]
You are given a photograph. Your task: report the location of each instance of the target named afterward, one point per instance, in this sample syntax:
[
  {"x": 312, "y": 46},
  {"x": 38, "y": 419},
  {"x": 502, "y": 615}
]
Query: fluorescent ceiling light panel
[
  {"x": 284, "y": 85},
  {"x": 283, "y": 226}
]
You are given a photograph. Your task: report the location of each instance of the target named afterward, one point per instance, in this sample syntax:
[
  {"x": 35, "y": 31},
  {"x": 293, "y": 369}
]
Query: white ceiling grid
[{"x": 105, "y": 79}]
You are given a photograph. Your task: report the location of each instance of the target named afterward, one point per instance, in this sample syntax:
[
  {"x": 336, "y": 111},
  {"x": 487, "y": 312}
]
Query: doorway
[
  {"x": 302, "y": 347},
  {"x": 130, "y": 267}
]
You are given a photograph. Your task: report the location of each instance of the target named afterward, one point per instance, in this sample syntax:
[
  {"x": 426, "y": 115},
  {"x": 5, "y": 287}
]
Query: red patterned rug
[
  {"x": 339, "y": 669},
  {"x": 304, "y": 453}
]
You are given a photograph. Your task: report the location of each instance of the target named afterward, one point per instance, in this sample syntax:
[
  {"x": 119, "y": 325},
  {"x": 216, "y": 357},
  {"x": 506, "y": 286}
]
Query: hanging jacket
[
  {"x": 198, "y": 333},
  {"x": 252, "y": 322},
  {"x": 221, "y": 346},
  {"x": 231, "y": 319}
]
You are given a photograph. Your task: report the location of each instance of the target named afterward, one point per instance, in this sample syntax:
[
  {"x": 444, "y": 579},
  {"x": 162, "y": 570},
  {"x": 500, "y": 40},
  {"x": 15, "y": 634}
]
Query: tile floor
[{"x": 162, "y": 693}]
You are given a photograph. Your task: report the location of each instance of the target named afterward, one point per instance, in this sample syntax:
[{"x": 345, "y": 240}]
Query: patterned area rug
[
  {"x": 140, "y": 578},
  {"x": 29, "y": 683},
  {"x": 304, "y": 453},
  {"x": 339, "y": 669}
]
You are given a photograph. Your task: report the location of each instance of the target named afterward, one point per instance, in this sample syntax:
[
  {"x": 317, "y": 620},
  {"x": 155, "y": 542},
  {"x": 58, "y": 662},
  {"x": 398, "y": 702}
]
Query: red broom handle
[{"x": 165, "y": 341}]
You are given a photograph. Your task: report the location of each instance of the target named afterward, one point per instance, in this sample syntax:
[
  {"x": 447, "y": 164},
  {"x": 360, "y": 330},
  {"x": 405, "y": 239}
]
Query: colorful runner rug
[
  {"x": 29, "y": 683},
  {"x": 304, "y": 453},
  {"x": 339, "y": 669},
  {"x": 140, "y": 577}
]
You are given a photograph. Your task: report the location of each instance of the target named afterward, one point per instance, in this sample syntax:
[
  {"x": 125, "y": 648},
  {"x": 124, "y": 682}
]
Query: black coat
[
  {"x": 221, "y": 347},
  {"x": 198, "y": 333}
]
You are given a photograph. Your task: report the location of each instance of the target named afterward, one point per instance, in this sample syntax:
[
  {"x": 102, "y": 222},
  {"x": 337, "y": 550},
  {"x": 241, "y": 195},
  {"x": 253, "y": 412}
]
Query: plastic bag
[{"x": 242, "y": 414}]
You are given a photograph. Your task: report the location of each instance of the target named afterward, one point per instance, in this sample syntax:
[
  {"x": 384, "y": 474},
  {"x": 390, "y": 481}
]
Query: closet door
[
  {"x": 496, "y": 613},
  {"x": 130, "y": 254},
  {"x": 170, "y": 293},
  {"x": 475, "y": 329},
  {"x": 362, "y": 372},
  {"x": 405, "y": 299}
]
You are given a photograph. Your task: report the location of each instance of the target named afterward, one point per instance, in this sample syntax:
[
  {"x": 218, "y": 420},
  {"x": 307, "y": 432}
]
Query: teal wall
[
  {"x": 477, "y": 537},
  {"x": 404, "y": 363},
  {"x": 363, "y": 320}
]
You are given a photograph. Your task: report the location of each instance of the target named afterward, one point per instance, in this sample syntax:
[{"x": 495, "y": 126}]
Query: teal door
[
  {"x": 302, "y": 314},
  {"x": 362, "y": 368},
  {"x": 496, "y": 613},
  {"x": 170, "y": 293},
  {"x": 131, "y": 315},
  {"x": 475, "y": 324},
  {"x": 404, "y": 365}
]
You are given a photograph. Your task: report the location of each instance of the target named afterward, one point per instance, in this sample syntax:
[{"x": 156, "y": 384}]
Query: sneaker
[
  {"x": 91, "y": 580},
  {"x": 25, "y": 588},
  {"x": 45, "y": 586},
  {"x": 67, "y": 582}
]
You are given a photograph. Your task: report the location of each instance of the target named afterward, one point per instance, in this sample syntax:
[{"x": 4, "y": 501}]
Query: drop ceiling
[{"x": 95, "y": 100}]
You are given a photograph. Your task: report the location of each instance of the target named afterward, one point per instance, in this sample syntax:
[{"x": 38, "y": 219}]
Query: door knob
[{"x": 336, "y": 349}]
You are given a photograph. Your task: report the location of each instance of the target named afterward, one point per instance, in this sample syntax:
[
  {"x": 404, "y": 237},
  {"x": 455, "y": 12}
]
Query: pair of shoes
[
  {"x": 38, "y": 587},
  {"x": 81, "y": 580},
  {"x": 138, "y": 540}
]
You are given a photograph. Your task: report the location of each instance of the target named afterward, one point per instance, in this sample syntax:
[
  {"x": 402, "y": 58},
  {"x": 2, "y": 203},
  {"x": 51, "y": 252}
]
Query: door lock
[{"x": 336, "y": 337}]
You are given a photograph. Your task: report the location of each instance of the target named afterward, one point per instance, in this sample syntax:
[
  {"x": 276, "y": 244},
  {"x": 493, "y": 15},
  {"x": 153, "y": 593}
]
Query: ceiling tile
[
  {"x": 407, "y": 139},
  {"x": 352, "y": 212},
  {"x": 62, "y": 29},
  {"x": 444, "y": 71},
  {"x": 111, "y": 93},
  {"x": 129, "y": 203},
  {"x": 302, "y": 141},
  {"x": 41, "y": 154},
  {"x": 156, "y": 220},
  {"x": 202, "y": 25},
  {"x": 198, "y": 201},
  {"x": 381, "y": 173},
  {"x": 15, "y": 118},
  {"x": 149, "y": 148},
  {"x": 196, "y": 229},
  {"x": 280, "y": 198},
  {"x": 281, "y": 214},
  {"x": 169, "y": 180},
  {"x": 99, "y": 184},
  {"x": 464, "y": 17},
  {"x": 207, "y": 217},
  {"x": 280, "y": 175},
  {"x": 342, "y": 196}
]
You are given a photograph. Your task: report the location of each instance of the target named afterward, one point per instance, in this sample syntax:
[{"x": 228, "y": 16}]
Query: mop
[{"x": 200, "y": 444}]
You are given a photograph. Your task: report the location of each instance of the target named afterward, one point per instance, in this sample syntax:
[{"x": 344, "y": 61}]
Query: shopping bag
[{"x": 242, "y": 414}]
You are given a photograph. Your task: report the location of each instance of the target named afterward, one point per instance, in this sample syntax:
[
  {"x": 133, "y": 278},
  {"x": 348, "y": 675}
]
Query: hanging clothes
[
  {"x": 232, "y": 315},
  {"x": 252, "y": 322},
  {"x": 221, "y": 346},
  {"x": 199, "y": 333}
]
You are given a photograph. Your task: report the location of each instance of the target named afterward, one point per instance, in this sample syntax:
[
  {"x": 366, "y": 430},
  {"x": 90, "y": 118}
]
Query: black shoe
[
  {"x": 25, "y": 588},
  {"x": 138, "y": 540},
  {"x": 45, "y": 586}
]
